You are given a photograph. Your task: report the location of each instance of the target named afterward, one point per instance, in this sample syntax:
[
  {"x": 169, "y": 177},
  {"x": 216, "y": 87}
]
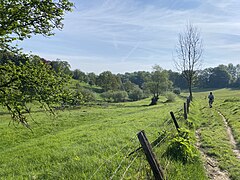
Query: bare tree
[{"x": 189, "y": 52}]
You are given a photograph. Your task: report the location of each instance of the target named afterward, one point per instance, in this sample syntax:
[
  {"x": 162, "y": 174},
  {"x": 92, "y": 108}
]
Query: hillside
[{"x": 93, "y": 142}]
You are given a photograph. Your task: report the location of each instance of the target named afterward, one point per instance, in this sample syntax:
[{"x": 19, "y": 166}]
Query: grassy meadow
[
  {"x": 93, "y": 142},
  {"x": 215, "y": 140}
]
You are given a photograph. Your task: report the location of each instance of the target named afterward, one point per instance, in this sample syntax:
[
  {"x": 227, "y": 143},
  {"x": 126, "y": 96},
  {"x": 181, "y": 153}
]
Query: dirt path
[
  {"x": 230, "y": 136},
  {"x": 211, "y": 165}
]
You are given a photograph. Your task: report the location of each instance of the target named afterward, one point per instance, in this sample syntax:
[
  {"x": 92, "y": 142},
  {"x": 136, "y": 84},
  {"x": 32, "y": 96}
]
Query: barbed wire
[
  {"x": 129, "y": 166},
  {"x": 140, "y": 167},
  {"x": 107, "y": 160},
  {"x": 119, "y": 166},
  {"x": 165, "y": 137},
  {"x": 163, "y": 124}
]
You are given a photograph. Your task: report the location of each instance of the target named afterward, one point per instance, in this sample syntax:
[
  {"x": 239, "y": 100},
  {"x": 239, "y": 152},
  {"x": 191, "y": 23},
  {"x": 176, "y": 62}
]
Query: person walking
[{"x": 210, "y": 99}]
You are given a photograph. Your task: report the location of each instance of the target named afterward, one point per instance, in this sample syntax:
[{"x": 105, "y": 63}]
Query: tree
[
  {"x": 20, "y": 19},
  {"x": 220, "y": 77},
  {"x": 33, "y": 81},
  {"x": 177, "y": 79},
  {"x": 23, "y": 78},
  {"x": 189, "y": 52},
  {"x": 158, "y": 84},
  {"x": 79, "y": 75},
  {"x": 203, "y": 78},
  {"x": 108, "y": 81},
  {"x": 61, "y": 66},
  {"x": 129, "y": 86}
]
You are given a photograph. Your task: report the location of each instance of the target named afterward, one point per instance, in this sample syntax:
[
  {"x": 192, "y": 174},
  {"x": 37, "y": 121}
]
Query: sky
[{"x": 134, "y": 35}]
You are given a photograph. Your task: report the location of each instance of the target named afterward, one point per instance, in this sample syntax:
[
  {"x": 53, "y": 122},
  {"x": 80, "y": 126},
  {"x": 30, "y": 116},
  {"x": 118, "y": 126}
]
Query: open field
[
  {"x": 93, "y": 142},
  {"x": 213, "y": 129}
]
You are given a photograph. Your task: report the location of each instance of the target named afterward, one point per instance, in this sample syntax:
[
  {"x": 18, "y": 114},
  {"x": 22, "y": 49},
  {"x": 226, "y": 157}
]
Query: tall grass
[
  {"x": 91, "y": 143},
  {"x": 214, "y": 137}
]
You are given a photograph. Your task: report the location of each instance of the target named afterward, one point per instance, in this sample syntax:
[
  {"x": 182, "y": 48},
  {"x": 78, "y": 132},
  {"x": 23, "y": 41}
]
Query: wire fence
[{"x": 133, "y": 156}]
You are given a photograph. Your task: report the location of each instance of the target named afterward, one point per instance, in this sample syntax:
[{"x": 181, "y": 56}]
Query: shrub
[
  {"x": 115, "y": 96},
  {"x": 136, "y": 94},
  {"x": 120, "y": 96},
  {"x": 88, "y": 95},
  {"x": 107, "y": 96},
  {"x": 170, "y": 96},
  {"x": 180, "y": 148},
  {"x": 177, "y": 91}
]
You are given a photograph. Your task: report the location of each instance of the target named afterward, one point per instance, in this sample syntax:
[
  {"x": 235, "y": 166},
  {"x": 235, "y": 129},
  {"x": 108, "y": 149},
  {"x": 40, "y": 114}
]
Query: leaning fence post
[
  {"x": 175, "y": 121},
  {"x": 185, "y": 110},
  {"x": 156, "y": 169}
]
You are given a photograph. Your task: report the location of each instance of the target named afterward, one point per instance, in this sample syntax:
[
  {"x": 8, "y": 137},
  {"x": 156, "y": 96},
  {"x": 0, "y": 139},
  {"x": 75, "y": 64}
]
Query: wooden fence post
[
  {"x": 188, "y": 104},
  {"x": 185, "y": 110},
  {"x": 156, "y": 169},
  {"x": 175, "y": 121}
]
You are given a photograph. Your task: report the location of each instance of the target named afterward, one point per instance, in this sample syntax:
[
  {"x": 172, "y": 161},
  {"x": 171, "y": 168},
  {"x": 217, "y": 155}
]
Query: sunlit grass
[
  {"x": 89, "y": 142},
  {"x": 215, "y": 140}
]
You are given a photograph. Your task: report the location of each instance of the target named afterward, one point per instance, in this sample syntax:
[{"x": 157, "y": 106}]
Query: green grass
[
  {"x": 91, "y": 142},
  {"x": 215, "y": 141}
]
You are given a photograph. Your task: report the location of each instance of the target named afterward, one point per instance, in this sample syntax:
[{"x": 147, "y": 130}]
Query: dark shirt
[{"x": 210, "y": 97}]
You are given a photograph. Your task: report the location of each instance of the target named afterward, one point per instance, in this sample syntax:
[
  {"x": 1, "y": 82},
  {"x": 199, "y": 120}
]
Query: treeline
[
  {"x": 141, "y": 84},
  {"x": 135, "y": 85},
  {"x": 28, "y": 78},
  {"x": 222, "y": 76}
]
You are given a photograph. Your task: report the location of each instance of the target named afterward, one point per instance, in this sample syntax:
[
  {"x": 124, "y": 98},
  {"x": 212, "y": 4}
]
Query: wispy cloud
[{"x": 141, "y": 33}]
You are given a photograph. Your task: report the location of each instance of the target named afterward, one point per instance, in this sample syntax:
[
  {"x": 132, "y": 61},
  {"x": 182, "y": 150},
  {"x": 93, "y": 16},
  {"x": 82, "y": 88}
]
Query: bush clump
[
  {"x": 115, "y": 96},
  {"x": 180, "y": 148},
  {"x": 171, "y": 97},
  {"x": 136, "y": 94},
  {"x": 177, "y": 91}
]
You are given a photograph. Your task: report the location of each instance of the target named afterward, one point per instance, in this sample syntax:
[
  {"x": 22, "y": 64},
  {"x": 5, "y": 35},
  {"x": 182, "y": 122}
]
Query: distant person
[{"x": 210, "y": 99}]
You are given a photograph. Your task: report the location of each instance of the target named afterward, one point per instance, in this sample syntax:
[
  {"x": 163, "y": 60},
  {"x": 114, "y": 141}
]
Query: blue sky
[{"x": 134, "y": 35}]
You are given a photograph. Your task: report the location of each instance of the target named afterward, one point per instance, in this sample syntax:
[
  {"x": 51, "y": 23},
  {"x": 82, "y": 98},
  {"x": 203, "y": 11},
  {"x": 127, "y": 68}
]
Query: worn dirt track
[{"x": 211, "y": 165}]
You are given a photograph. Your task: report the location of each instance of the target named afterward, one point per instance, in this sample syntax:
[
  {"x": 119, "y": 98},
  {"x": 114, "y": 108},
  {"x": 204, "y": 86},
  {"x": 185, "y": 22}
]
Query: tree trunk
[
  {"x": 154, "y": 100},
  {"x": 190, "y": 93}
]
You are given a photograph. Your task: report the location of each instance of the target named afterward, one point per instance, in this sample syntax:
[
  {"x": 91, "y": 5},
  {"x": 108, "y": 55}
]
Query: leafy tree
[
  {"x": 32, "y": 81},
  {"x": 177, "y": 80},
  {"x": 92, "y": 78},
  {"x": 20, "y": 19},
  {"x": 61, "y": 66},
  {"x": 17, "y": 59},
  {"x": 108, "y": 81},
  {"x": 232, "y": 70},
  {"x": 129, "y": 86},
  {"x": 236, "y": 84},
  {"x": 159, "y": 83},
  {"x": 138, "y": 78},
  {"x": 238, "y": 70},
  {"x": 203, "y": 78},
  {"x": 189, "y": 51},
  {"x": 79, "y": 75},
  {"x": 220, "y": 77},
  {"x": 25, "y": 79}
]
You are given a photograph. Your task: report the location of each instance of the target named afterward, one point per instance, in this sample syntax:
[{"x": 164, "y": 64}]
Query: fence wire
[{"x": 164, "y": 125}]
